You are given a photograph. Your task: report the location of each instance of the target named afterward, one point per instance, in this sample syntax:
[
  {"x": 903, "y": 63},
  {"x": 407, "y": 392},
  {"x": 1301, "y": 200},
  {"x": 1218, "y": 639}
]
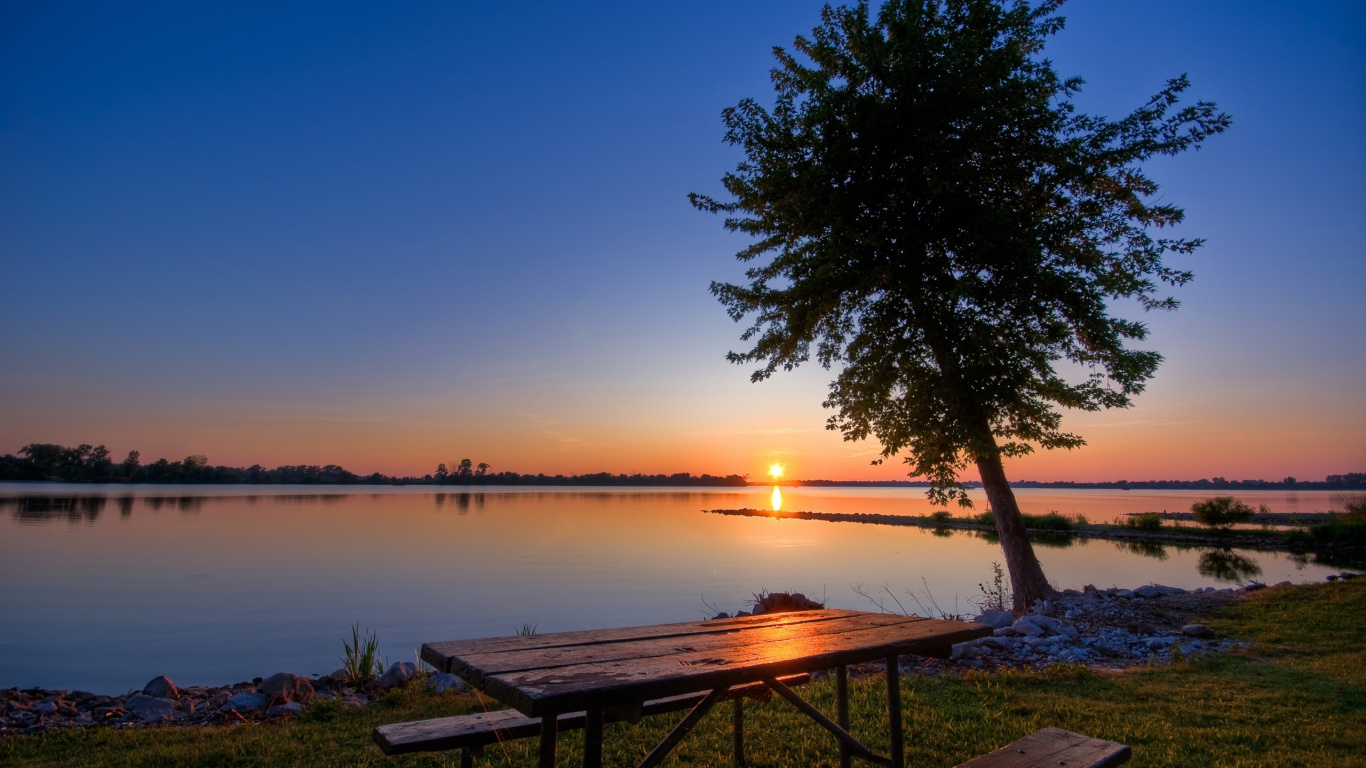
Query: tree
[
  {"x": 1222, "y": 512},
  {"x": 441, "y": 473},
  {"x": 934, "y": 219}
]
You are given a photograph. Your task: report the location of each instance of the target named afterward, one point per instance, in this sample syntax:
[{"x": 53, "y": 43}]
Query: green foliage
[
  {"x": 942, "y": 516},
  {"x": 1339, "y": 533},
  {"x": 1053, "y": 521},
  {"x": 986, "y": 518},
  {"x": 1146, "y": 521},
  {"x": 1222, "y": 512},
  {"x": 360, "y": 659},
  {"x": 933, "y": 218}
]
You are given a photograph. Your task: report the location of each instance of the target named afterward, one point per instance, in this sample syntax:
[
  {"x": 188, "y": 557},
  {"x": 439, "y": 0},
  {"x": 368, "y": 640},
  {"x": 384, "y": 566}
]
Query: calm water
[{"x": 102, "y": 588}]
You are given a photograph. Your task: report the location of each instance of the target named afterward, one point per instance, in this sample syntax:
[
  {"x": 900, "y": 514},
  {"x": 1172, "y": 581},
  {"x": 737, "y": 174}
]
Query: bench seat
[
  {"x": 1054, "y": 748},
  {"x": 475, "y": 731}
]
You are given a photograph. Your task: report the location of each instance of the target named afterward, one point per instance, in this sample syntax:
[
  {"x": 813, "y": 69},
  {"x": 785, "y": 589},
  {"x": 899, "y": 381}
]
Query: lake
[{"x": 104, "y": 587}]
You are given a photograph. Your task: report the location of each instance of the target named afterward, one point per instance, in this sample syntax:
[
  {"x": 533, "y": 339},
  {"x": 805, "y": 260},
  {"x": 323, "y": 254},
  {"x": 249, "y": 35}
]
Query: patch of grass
[
  {"x": 1145, "y": 521},
  {"x": 360, "y": 659},
  {"x": 1297, "y": 698},
  {"x": 1053, "y": 521}
]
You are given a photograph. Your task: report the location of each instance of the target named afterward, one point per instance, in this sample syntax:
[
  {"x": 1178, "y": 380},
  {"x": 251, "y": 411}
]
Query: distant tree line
[{"x": 93, "y": 464}]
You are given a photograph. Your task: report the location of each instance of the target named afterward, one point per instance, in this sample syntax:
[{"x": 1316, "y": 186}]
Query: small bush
[
  {"x": 1339, "y": 533},
  {"x": 986, "y": 518},
  {"x": 942, "y": 516},
  {"x": 1146, "y": 521},
  {"x": 1053, "y": 521},
  {"x": 1353, "y": 507},
  {"x": 361, "y": 661},
  {"x": 1221, "y": 512}
]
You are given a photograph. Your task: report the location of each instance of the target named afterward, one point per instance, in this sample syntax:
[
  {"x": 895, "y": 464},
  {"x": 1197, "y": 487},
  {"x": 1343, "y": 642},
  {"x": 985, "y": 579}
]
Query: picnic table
[{"x": 611, "y": 673}]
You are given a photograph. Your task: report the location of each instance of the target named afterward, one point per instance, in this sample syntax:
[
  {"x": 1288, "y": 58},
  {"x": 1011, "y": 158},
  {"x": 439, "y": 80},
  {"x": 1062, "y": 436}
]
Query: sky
[{"x": 390, "y": 235}]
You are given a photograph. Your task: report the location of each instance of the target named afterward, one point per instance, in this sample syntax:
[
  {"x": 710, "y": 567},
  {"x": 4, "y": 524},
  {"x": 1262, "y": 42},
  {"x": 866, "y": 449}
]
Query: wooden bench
[
  {"x": 1054, "y": 748},
  {"x": 471, "y": 733}
]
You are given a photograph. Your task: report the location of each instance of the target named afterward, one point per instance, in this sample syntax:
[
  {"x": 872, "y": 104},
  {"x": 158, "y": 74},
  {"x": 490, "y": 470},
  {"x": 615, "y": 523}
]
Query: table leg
[
  {"x": 894, "y": 712},
  {"x": 737, "y": 729},
  {"x": 592, "y": 739},
  {"x": 842, "y": 709},
  {"x": 548, "y": 724}
]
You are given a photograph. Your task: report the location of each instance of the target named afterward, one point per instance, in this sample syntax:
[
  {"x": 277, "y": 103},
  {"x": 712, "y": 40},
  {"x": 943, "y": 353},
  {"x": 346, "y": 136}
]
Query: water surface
[{"x": 104, "y": 587}]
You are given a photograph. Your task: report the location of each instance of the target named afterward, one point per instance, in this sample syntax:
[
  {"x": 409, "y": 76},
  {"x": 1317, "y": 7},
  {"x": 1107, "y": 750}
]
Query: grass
[{"x": 1298, "y": 698}]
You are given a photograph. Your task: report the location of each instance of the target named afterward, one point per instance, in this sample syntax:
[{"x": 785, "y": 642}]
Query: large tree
[{"x": 935, "y": 221}]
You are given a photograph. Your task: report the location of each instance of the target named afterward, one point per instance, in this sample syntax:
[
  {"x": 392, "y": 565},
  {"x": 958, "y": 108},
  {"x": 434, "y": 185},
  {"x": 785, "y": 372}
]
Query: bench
[
  {"x": 1054, "y": 747},
  {"x": 471, "y": 733}
]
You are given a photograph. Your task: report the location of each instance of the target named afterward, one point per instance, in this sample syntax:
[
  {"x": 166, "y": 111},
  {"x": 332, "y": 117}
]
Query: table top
[{"x": 570, "y": 671}]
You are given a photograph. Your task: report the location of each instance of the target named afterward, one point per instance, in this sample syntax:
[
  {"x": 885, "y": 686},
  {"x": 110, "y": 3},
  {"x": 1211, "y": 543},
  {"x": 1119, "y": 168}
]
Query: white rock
[
  {"x": 400, "y": 672},
  {"x": 995, "y": 619},
  {"x": 446, "y": 682}
]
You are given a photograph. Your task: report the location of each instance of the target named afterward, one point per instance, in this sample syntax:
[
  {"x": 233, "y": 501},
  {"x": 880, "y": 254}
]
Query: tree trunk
[{"x": 1027, "y": 582}]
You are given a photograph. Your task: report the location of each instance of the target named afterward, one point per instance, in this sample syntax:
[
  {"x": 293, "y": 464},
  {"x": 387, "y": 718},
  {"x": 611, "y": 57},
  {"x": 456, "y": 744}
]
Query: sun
[{"x": 775, "y": 470}]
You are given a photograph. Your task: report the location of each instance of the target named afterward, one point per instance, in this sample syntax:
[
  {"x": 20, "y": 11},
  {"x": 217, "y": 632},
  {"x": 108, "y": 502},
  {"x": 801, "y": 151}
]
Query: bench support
[
  {"x": 894, "y": 713},
  {"x": 737, "y": 732},
  {"x": 842, "y": 709},
  {"x": 548, "y": 724},
  {"x": 856, "y": 747},
  {"x": 592, "y": 739},
  {"x": 676, "y": 735}
]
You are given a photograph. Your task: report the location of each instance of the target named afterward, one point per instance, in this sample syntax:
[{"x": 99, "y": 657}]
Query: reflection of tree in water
[
  {"x": 73, "y": 509},
  {"x": 1225, "y": 565},
  {"x": 1143, "y": 548}
]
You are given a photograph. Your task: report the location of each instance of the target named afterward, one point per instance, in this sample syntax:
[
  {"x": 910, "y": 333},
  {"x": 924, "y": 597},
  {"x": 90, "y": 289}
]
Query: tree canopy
[{"x": 934, "y": 219}]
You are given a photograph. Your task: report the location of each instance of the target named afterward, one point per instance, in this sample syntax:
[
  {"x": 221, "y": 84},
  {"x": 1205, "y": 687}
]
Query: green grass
[{"x": 1297, "y": 699}]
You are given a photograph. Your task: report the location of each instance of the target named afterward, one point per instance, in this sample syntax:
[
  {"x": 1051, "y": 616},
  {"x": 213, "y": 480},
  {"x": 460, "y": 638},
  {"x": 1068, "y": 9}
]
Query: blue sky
[{"x": 387, "y": 235}]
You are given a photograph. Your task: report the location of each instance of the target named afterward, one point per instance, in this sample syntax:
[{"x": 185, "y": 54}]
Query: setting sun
[{"x": 775, "y": 470}]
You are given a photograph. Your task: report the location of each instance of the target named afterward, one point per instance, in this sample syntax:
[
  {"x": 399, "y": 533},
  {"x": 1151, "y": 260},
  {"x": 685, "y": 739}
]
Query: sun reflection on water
[{"x": 777, "y": 499}]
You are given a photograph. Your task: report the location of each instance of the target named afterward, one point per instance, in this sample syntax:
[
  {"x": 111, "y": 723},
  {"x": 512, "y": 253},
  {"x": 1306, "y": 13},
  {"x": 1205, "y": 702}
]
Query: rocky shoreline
[{"x": 1109, "y": 629}]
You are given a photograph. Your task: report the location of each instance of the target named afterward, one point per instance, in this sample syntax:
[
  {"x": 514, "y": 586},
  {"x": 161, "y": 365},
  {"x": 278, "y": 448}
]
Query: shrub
[
  {"x": 1339, "y": 533},
  {"x": 942, "y": 516},
  {"x": 1053, "y": 521},
  {"x": 1145, "y": 521},
  {"x": 1221, "y": 512},
  {"x": 361, "y": 661},
  {"x": 986, "y": 518},
  {"x": 1353, "y": 508}
]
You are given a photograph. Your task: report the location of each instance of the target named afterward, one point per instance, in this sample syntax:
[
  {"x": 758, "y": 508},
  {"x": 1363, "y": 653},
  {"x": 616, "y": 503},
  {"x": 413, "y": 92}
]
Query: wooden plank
[
  {"x": 483, "y": 728},
  {"x": 475, "y": 668},
  {"x": 580, "y": 686},
  {"x": 437, "y": 653},
  {"x": 1053, "y": 747}
]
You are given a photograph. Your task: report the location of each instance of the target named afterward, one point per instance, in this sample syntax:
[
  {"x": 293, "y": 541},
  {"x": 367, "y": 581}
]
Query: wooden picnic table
[{"x": 616, "y": 670}]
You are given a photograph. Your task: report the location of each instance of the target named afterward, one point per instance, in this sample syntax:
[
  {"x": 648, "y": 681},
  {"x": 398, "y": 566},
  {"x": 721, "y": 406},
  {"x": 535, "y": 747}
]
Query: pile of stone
[
  {"x": 1111, "y": 628},
  {"x": 161, "y": 702}
]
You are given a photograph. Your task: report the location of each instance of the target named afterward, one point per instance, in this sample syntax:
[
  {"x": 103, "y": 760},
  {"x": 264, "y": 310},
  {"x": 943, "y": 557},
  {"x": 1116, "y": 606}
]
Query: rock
[
  {"x": 1069, "y": 631},
  {"x": 995, "y": 619},
  {"x": 1046, "y": 623},
  {"x": 45, "y": 706},
  {"x": 738, "y": 614},
  {"x": 1331, "y": 577},
  {"x": 961, "y": 651},
  {"x": 288, "y": 709},
  {"x": 1197, "y": 630},
  {"x": 246, "y": 701},
  {"x": 1160, "y": 642},
  {"x": 1071, "y": 593},
  {"x": 1123, "y": 593},
  {"x": 1348, "y": 575},
  {"x": 1026, "y": 627},
  {"x": 1142, "y": 628},
  {"x": 400, "y": 672},
  {"x": 446, "y": 682},
  {"x": 1253, "y": 586},
  {"x": 1149, "y": 590},
  {"x": 283, "y": 687},
  {"x": 722, "y": 615},
  {"x": 1283, "y": 583},
  {"x": 1005, "y": 632},
  {"x": 1089, "y": 589},
  {"x": 161, "y": 687},
  {"x": 141, "y": 703}
]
